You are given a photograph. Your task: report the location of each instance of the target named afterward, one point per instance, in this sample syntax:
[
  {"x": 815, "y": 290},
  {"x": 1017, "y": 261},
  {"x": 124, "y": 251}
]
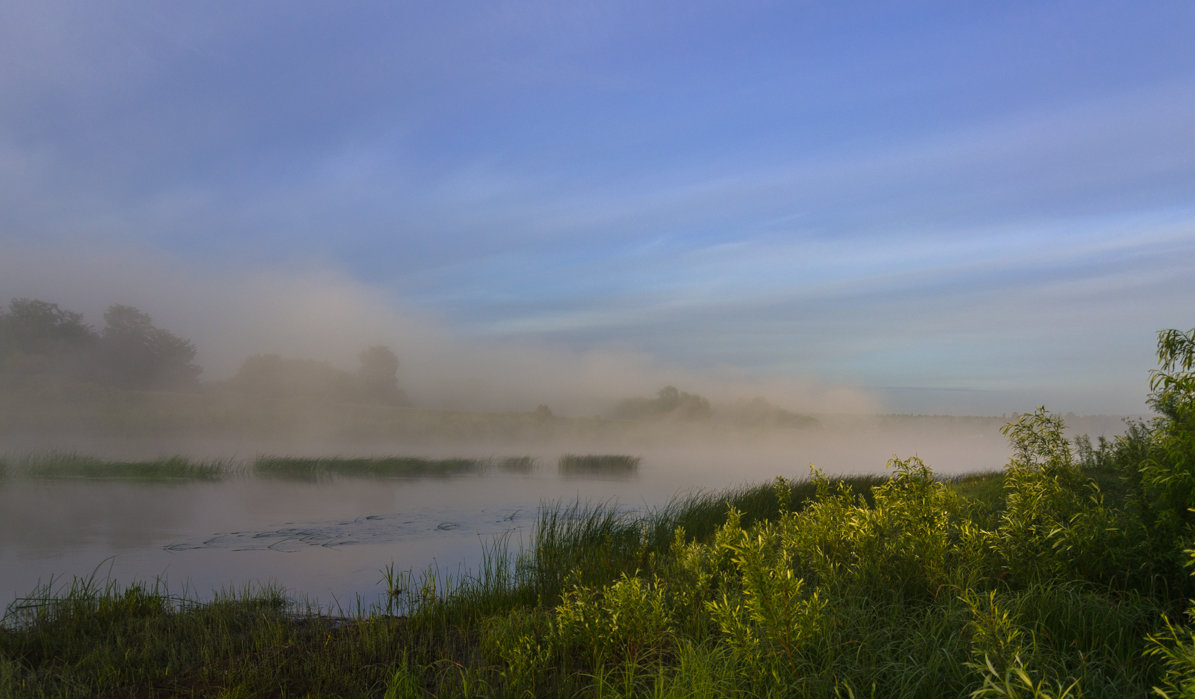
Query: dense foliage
[
  {"x": 1064, "y": 576},
  {"x": 40, "y": 342},
  {"x": 45, "y": 349}
]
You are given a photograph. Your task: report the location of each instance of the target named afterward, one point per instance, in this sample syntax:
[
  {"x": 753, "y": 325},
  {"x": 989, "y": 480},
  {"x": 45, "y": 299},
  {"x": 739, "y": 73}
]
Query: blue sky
[{"x": 950, "y": 207}]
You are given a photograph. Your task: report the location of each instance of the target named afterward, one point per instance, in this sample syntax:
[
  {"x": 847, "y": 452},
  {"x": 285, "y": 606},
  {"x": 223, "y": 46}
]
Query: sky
[{"x": 932, "y": 207}]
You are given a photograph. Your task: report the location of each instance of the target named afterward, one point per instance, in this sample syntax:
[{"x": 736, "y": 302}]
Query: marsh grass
[
  {"x": 598, "y": 465},
  {"x": 313, "y": 469},
  {"x": 1066, "y": 575},
  {"x": 175, "y": 468},
  {"x": 516, "y": 464},
  {"x": 758, "y": 591}
]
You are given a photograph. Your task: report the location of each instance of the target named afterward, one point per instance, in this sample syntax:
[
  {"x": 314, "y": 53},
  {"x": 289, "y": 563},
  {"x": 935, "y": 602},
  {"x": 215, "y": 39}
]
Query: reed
[
  {"x": 175, "y": 468},
  {"x": 295, "y": 468},
  {"x": 598, "y": 465},
  {"x": 516, "y": 464}
]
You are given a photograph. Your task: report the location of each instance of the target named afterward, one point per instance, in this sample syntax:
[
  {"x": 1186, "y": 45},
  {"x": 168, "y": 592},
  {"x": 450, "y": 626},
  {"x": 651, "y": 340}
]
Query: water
[{"x": 328, "y": 542}]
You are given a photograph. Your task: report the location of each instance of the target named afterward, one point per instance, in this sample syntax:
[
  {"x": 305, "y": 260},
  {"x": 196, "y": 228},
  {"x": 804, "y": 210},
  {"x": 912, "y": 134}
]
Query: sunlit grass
[
  {"x": 1066, "y": 575},
  {"x": 691, "y": 599}
]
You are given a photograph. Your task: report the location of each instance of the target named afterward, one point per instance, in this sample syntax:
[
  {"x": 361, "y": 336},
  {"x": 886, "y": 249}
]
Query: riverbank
[{"x": 1028, "y": 582}]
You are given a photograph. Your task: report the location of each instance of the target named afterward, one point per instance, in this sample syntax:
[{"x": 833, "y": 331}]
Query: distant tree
[
  {"x": 377, "y": 374},
  {"x": 759, "y": 412},
  {"x": 669, "y": 402},
  {"x": 273, "y": 376},
  {"x": 261, "y": 374},
  {"x": 137, "y": 354},
  {"x": 37, "y": 337}
]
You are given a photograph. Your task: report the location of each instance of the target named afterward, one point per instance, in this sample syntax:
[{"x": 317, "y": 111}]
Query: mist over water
[
  {"x": 459, "y": 395},
  {"x": 328, "y": 539}
]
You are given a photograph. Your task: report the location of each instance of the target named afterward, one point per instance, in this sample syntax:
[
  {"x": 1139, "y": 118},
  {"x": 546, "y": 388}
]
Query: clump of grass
[
  {"x": 175, "y": 468},
  {"x": 601, "y": 465},
  {"x": 316, "y": 468},
  {"x": 517, "y": 464}
]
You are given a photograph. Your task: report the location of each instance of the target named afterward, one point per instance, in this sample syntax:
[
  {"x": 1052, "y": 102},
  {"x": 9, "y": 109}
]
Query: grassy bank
[
  {"x": 861, "y": 586},
  {"x": 1065, "y": 575}
]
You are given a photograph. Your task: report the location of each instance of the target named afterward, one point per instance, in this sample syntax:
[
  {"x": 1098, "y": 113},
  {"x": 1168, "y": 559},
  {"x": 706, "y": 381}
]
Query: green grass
[
  {"x": 613, "y": 604},
  {"x": 690, "y": 599},
  {"x": 176, "y": 468},
  {"x": 314, "y": 469},
  {"x": 1066, "y": 575}
]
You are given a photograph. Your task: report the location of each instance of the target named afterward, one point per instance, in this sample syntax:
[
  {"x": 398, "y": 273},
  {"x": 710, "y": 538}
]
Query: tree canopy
[{"x": 38, "y": 338}]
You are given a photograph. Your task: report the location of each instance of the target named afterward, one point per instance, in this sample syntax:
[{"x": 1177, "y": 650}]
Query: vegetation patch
[
  {"x": 314, "y": 469},
  {"x": 175, "y": 468},
  {"x": 516, "y": 464},
  {"x": 607, "y": 465},
  {"x": 1065, "y": 575}
]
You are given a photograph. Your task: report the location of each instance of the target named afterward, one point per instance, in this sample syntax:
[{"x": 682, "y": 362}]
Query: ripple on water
[{"x": 367, "y": 530}]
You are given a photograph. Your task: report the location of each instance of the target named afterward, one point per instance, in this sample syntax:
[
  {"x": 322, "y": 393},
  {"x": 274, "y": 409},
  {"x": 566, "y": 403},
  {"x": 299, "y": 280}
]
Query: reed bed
[
  {"x": 692, "y": 599},
  {"x": 598, "y": 465},
  {"x": 175, "y": 468},
  {"x": 1031, "y": 582},
  {"x": 516, "y": 464},
  {"x": 296, "y": 468}
]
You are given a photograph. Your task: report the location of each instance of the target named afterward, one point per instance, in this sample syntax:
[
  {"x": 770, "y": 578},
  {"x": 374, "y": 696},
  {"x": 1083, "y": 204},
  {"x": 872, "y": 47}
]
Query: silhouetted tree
[
  {"x": 377, "y": 375},
  {"x": 39, "y": 338},
  {"x": 38, "y": 327},
  {"x": 139, "y": 355},
  {"x": 669, "y": 402},
  {"x": 274, "y": 376}
]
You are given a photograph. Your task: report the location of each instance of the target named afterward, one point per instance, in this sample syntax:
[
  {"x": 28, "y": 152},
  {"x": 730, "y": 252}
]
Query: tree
[
  {"x": 137, "y": 354},
  {"x": 377, "y": 375},
  {"x": 669, "y": 402},
  {"x": 1167, "y": 475},
  {"x": 37, "y": 337},
  {"x": 273, "y": 376}
]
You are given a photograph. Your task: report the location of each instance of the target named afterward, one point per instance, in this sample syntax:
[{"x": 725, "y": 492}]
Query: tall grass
[
  {"x": 598, "y": 465},
  {"x": 1035, "y": 582},
  {"x": 175, "y": 468},
  {"x": 810, "y": 588},
  {"x": 296, "y": 468}
]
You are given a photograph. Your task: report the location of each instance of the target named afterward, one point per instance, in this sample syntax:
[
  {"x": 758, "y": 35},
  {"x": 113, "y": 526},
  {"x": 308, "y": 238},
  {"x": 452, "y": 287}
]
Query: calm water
[{"x": 328, "y": 542}]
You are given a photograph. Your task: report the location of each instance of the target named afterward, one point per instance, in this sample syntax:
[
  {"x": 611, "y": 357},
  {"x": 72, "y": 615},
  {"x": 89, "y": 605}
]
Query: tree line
[{"x": 41, "y": 342}]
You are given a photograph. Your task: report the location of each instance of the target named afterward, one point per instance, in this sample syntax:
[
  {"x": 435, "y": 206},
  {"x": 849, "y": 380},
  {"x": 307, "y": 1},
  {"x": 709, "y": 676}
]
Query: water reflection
[{"x": 327, "y": 539}]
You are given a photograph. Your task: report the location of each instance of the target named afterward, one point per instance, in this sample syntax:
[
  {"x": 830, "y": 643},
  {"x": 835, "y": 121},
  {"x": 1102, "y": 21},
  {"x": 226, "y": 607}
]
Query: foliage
[
  {"x": 1055, "y": 522},
  {"x": 758, "y": 412},
  {"x": 1051, "y": 579},
  {"x": 273, "y": 376},
  {"x": 668, "y": 403},
  {"x": 377, "y": 376},
  {"x": 39, "y": 339},
  {"x": 138, "y": 354}
]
